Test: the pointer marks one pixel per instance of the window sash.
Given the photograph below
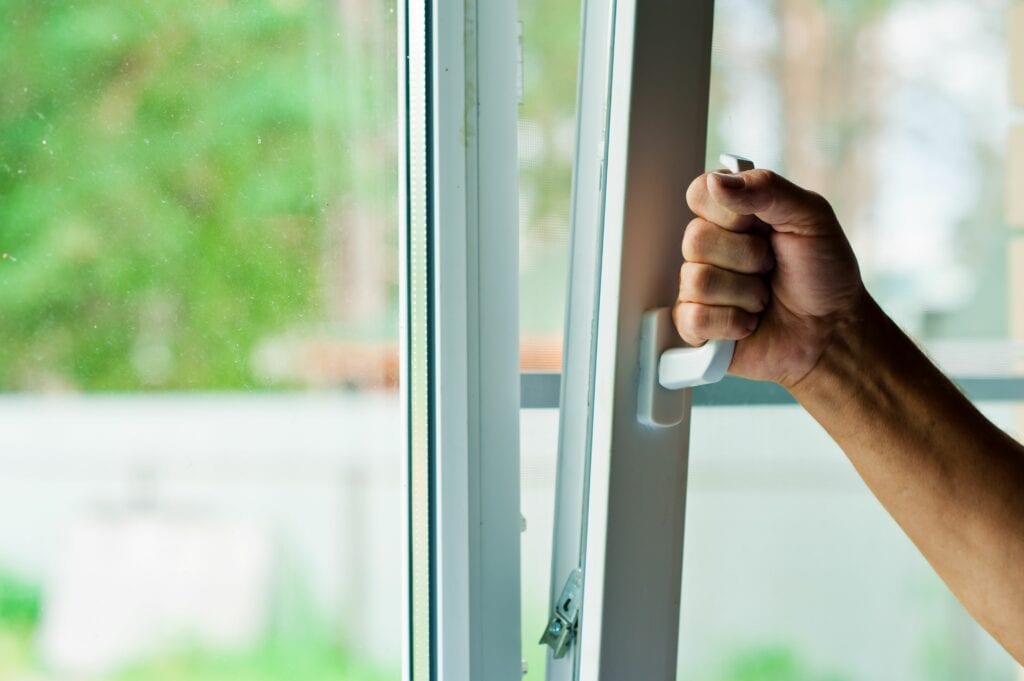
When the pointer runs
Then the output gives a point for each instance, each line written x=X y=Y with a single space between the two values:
x=461 y=347
x=621 y=486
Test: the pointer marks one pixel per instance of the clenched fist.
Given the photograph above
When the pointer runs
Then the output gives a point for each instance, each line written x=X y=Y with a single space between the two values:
x=766 y=264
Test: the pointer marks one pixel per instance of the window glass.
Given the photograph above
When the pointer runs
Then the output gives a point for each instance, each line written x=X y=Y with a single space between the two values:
x=198 y=340
x=538 y=465
x=900 y=113
x=547 y=138
x=793 y=571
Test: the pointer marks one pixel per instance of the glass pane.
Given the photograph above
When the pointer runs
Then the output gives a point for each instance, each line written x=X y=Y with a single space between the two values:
x=898 y=111
x=547 y=138
x=538 y=465
x=198 y=347
x=793 y=571
x=547 y=131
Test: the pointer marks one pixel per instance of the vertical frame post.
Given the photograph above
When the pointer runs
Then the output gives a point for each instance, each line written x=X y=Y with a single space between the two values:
x=477 y=340
x=630 y=480
x=460 y=283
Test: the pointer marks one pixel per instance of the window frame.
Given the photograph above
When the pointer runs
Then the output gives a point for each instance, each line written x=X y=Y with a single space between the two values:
x=629 y=480
x=642 y=65
x=459 y=278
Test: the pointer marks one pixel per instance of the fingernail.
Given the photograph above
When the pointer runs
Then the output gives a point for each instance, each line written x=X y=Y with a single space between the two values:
x=729 y=181
x=752 y=323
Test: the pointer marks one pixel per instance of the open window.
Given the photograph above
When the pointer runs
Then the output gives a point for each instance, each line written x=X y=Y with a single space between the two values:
x=204 y=321
x=776 y=530
x=201 y=341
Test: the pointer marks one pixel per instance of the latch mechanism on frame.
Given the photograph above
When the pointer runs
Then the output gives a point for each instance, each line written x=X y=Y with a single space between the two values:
x=561 y=629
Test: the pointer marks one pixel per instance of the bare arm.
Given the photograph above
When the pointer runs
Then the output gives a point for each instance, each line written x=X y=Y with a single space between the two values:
x=785 y=284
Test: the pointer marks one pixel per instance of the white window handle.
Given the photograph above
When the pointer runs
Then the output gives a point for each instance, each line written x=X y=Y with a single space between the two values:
x=664 y=369
x=689 y=367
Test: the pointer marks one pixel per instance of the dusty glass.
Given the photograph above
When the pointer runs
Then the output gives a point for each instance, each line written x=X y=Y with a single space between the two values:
x=198 y=340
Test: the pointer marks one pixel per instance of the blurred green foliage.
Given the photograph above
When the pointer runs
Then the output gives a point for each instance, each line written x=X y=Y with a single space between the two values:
x=771 y=663
x=160 y=208
x=547 y=127
x=19 y=602
x=313 y=660
x=548 y=112
x=298 y=662
x=19 y=615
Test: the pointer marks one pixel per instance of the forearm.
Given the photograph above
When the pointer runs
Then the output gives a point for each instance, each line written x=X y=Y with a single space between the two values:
x=952 y=480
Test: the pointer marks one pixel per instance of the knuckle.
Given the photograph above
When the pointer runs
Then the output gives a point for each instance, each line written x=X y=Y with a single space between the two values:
x=697 y=239
x=701 y=278
x=685 y=315
x=820 y=204
x=695 y=317
x=695 y=192
x=686 y=278
x=765 y=176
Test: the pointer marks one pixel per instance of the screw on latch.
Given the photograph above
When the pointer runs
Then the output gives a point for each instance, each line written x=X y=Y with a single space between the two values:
x=561 y=628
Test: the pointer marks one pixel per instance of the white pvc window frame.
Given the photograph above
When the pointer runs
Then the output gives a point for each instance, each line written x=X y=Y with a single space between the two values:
x=621 y=487
x=460 y=351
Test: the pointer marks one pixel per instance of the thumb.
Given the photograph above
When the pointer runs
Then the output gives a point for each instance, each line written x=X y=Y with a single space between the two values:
x=774 y=200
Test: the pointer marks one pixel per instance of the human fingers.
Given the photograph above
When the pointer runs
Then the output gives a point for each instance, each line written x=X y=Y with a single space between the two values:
x=697 y=323
x=773 y=199
x=700 y=201
x=707 y=243
x=710 y=285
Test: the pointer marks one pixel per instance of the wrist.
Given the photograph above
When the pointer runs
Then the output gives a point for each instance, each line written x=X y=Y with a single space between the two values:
x=847 y=347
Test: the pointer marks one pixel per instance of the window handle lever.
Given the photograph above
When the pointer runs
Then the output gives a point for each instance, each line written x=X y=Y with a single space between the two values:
x=665 y=370
x=680 y=368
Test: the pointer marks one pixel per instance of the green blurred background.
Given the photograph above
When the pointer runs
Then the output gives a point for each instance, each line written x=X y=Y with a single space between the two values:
x=171 y=177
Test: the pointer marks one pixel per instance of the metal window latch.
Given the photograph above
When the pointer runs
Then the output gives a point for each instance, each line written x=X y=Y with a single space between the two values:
x=561 y=629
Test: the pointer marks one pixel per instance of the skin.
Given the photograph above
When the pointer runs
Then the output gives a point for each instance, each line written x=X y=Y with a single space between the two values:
x=767 y=264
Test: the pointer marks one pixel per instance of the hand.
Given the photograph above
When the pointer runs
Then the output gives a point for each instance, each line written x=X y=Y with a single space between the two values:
x=766 y=264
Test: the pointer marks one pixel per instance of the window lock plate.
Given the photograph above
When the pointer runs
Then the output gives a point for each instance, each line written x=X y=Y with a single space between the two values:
x=561 y=629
